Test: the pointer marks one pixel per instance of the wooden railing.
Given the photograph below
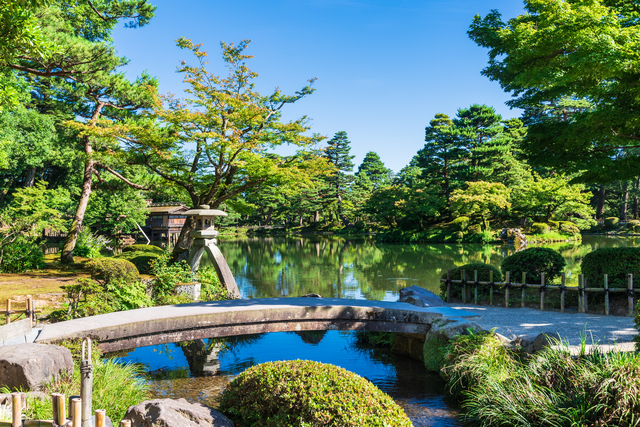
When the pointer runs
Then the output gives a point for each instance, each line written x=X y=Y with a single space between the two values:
x=582 y=290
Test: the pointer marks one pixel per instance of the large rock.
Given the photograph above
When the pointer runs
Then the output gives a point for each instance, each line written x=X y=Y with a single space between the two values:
x=175 y=413
x=420 y=297
x=29 y=366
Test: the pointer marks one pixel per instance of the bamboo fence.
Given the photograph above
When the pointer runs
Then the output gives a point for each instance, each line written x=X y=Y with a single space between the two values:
x=29 y=312
x=507 y=286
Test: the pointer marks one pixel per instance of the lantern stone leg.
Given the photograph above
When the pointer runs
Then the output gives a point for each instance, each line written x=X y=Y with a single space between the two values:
x=204 y=242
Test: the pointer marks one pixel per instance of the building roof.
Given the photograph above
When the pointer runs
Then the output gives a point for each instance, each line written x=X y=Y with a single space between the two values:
x=168 y=209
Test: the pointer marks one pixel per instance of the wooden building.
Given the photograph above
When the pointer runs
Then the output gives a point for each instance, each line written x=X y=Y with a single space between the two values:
x=165 y=221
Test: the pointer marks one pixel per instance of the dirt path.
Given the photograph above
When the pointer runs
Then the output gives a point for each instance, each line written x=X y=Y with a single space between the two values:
x=605 y=331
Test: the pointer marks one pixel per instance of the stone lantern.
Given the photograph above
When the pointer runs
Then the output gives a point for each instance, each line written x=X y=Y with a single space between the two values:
x=205 y=246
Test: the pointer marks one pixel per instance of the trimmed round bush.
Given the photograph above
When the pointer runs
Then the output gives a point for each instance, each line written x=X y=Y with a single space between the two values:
x=539 y=228
x=611 y=223
x=140 y=259
x=534 y=262
x=483 y=276
x=569 y=228
x=106 y=270
x=615 y=262
x=306 y=393
x=142 y=248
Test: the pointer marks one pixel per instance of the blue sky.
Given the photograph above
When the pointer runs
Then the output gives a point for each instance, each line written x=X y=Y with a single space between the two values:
x=384 y=68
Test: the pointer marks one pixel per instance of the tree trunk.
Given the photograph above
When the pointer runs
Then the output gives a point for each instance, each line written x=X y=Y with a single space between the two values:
x=270 y=216
x=66 y=257
x=31 y=177
x=181 y=249
x=600 y=207
x=317 y=217
x=301 y=220
x=625 y=202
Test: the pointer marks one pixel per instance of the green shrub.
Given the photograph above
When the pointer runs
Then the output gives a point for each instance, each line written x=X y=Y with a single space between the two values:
x=460 y=223
x=142 y=248
x=359 y=225
x=539 y=228
x=569 y=229
x=21 y=255
x=611 y=223
x=305 y=393
x=615 y=262
x=105 y=270
x=89 y=244
x=555 y=225
x=141 y=259
x=534 y=262
x=168 y=275
x=636 y=229
x=631 y=225
x=210 y=287
x=483 y=276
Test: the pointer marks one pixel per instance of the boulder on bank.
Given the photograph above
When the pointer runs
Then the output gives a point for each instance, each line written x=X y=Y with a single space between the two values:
x=420 y=297
x=29 y=366
x=175 y=413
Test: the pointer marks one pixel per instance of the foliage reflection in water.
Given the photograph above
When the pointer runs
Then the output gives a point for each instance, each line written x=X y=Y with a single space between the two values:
x=176 y=372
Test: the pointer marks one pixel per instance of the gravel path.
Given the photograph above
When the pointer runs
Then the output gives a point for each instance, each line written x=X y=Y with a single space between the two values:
x=606 y=331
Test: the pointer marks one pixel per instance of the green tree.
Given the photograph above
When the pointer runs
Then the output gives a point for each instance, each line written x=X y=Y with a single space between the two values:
x=554 y=198
x=338 y=156
x=231 y=129
x=578 y=50
x=481 y=199
x=373 y=168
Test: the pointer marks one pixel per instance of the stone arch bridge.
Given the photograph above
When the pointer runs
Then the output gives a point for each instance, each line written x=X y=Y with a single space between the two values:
x=167 y=324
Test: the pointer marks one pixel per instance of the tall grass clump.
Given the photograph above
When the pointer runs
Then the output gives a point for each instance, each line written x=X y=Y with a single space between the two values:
x=116 y=387
x=501 y=387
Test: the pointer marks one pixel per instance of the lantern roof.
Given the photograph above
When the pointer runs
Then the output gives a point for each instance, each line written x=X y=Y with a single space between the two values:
x=203 y=210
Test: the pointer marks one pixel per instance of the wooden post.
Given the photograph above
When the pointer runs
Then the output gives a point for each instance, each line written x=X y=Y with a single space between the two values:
x=562 y=284
x=125 y=423
x=490 y=287
x=16 y=409
x=630 y=294
x=86 y=383
x=62 y=416
x=101 y=418
x=580 y=290
x=463 y=276
x=506 y=290
x=28 y=311
x=606 y=294
x=71 y=407
x=542 y=285
x=448 y=286
x=76 y=413
x=475 y=285
x=54 y=407
x=524 y=284
x=8 y=314
x=585 y=300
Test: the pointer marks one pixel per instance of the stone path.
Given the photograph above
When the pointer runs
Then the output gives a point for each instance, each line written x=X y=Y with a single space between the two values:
x=605 y=331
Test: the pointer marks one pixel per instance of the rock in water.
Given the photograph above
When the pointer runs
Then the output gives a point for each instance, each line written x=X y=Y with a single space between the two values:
x=29 y=366
x=175 y=413
x=420 y=297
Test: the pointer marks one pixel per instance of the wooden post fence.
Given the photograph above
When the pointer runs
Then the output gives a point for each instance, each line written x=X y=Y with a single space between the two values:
x=582 y=290
x=29 y=311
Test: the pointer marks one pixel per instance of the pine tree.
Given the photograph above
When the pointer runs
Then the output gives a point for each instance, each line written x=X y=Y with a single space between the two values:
x=338 y=155
x=374 y=170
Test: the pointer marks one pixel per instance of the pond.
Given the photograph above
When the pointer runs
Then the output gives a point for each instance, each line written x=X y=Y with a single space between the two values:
x=332 y=266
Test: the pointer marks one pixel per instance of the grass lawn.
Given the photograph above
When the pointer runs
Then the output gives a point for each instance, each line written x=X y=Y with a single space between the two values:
x=44 y=285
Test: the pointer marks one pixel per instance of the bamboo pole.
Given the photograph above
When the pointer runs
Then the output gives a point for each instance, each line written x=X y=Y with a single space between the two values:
x=630 y=294
x=76 y=414
x=100 y=418
x=475 y=285
x=541 y=291
x=524 y=286
x=8 y=314
x=16 y=410
x=71 y=407
x=54 y=408
x=448 y=286
x=86 y=384
x=562 y=281
x=29 y=312
x=606 y=294
x=62 y=417
x=506 y=290
x=490 y=287
x=125 y=423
